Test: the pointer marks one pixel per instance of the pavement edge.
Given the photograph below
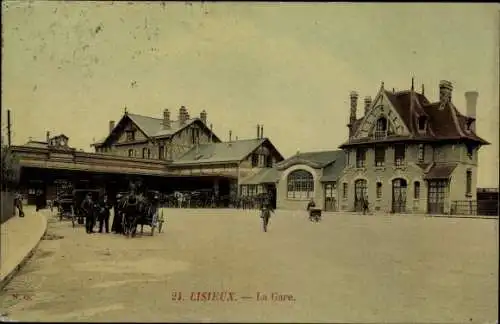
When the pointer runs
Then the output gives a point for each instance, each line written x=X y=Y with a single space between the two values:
x=5 y=281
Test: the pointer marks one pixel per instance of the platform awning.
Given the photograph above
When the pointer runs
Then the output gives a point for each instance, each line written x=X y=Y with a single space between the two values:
x=440 y=171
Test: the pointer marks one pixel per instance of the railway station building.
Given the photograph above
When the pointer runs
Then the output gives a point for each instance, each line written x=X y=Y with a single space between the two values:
x=165 y=154
x=408 y=154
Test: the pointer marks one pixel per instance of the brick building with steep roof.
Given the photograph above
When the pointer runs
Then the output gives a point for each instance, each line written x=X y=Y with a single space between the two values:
x=407 y=154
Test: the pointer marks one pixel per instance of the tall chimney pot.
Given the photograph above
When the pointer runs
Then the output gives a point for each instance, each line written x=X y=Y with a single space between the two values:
x=354 y=104
x=471 y=102
x=166 y=119
x=230 y=135
x=111 y=125
x=183 y=115
x=368 y=103
x=47 y=135
x=258 y=131
x=261 y=131
x=445 y=91
x=203 y=116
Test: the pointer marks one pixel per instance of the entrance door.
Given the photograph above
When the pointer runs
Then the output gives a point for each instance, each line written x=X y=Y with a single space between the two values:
x=330 y=196
x=436 y=196
x=360 y=192
x=399 y=189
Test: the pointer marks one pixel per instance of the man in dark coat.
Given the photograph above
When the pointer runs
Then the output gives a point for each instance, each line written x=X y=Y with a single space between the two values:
x=117 y=226
x=265 y=213
x=104 y=213
x=88 y=208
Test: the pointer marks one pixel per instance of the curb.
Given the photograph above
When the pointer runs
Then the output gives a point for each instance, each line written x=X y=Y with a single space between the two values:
x=6 y=280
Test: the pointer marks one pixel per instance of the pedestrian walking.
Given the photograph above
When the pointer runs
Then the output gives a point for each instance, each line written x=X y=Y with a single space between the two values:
x=366 y=205
x=265 y=214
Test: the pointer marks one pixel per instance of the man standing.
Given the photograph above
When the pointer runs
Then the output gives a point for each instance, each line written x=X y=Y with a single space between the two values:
x=18 y=203
x=104 y=208
x=88 y=209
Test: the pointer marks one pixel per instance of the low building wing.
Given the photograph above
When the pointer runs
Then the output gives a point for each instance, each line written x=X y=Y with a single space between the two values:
x=317 y=160
x=264 y=176
x=333 y=171
x=234 y=151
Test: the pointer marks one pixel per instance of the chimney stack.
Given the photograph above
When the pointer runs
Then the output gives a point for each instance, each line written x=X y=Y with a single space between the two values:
x=230 y=135
x=111 y=125
x=353 y=96
x=203 y=116
x=47 y=137
x=261 y=131
x=183 y=115
x=258 y=131
x=445 y=90
x=471 y=102
x=368 y=103
x=166 y=119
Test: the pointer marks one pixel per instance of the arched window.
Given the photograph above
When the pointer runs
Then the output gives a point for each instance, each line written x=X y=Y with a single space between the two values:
x=381 y=128
x=300 y=185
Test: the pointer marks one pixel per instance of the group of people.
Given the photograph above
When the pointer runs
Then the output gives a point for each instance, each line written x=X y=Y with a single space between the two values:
x=94 y=211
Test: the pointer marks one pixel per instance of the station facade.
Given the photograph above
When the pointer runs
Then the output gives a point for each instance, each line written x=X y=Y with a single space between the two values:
x=405 y=154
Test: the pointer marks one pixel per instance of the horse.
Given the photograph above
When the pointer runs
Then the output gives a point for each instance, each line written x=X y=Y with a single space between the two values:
x=131 y=207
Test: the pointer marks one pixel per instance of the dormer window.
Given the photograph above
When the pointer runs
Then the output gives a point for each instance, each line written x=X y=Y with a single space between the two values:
x=381 y=128
x=130 y=135
x=422 y=121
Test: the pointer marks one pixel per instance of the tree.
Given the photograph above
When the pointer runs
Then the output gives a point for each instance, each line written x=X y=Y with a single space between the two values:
x=11 y=169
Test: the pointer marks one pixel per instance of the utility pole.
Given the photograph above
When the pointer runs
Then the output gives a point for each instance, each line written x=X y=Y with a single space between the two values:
x=8 y=128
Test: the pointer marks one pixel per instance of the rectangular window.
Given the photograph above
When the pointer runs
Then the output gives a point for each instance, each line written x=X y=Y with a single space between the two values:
x=255 y=160
x=379 y=156
x=348 y=157
x=416 y=190
x=421 y=153
x=149 y=153
x=161 y=152
x=399 y=154
x=344 y=190
x=130 y=135
x=468 y=186
x=360 y=158
x=144 y=152
x=379 y=190
x=262 y=160
x=131 y=153
x=269 y=161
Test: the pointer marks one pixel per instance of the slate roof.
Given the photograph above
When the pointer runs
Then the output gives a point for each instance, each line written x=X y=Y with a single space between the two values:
x=267 y=175
x=234 y=151
x=442 y=124
x=333 y=171
x=318 y=160
x=153 y=127
x=441 y=171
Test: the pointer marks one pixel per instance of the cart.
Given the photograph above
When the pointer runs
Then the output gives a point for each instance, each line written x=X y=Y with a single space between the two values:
x=315 y=214
x=65 y=207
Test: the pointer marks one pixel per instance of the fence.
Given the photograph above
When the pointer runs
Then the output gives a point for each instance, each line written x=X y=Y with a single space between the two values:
x=473 y=207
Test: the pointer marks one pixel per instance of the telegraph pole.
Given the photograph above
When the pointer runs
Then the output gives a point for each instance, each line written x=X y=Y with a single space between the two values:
x=9 y=132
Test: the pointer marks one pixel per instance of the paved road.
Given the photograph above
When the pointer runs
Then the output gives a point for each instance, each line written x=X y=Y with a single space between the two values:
x=349 y=268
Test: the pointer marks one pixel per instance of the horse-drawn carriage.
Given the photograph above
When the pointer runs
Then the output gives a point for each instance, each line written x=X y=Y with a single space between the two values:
x=139 y=209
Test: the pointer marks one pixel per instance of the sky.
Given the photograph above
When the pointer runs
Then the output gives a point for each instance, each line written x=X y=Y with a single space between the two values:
x=71 y=67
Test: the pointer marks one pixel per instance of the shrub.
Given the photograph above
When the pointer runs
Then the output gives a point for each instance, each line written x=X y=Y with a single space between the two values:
x=10 y=169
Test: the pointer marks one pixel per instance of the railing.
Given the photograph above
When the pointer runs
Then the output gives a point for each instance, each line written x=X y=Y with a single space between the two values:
x=463 y=207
